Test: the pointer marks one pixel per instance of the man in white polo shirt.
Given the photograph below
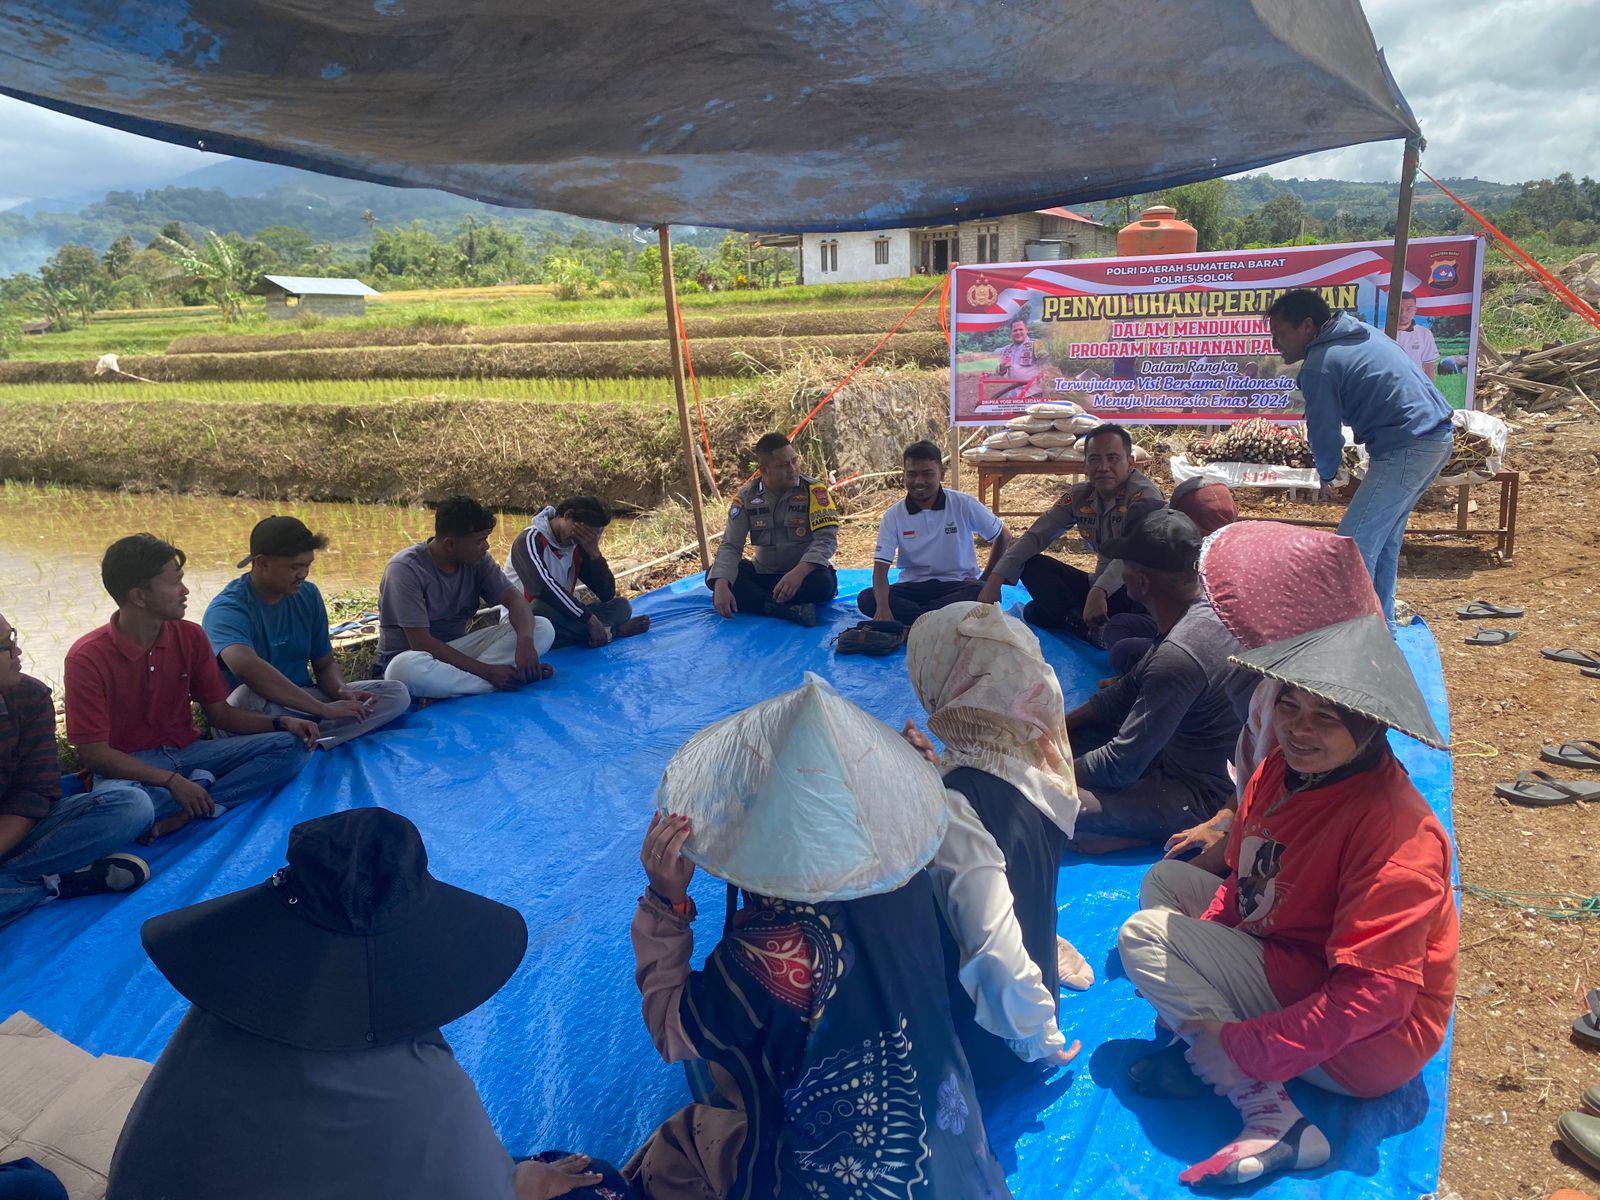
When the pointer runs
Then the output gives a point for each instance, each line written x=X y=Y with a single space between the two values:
x=1416 y=340
x=929 y=535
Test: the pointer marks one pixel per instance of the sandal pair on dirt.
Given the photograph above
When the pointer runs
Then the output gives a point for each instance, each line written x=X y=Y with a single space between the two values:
x=1589 y=660
x=1540 y=789
x=1480 y=610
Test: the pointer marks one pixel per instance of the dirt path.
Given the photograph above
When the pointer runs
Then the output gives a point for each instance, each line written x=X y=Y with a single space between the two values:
x=1523 y=977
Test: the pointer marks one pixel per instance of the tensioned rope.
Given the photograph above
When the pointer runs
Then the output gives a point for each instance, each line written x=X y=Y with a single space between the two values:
x=1526 y=261
x=700 y=412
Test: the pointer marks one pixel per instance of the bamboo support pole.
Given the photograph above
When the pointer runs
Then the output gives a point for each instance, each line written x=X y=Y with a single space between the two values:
x=691 y=466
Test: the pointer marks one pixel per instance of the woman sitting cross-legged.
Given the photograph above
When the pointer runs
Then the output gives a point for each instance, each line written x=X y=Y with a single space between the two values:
x=1328 y=954
x=824 y=1001
x=995 y=704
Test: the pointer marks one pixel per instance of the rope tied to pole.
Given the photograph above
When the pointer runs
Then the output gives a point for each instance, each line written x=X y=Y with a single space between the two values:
x=1525 y=260
x=700 y=412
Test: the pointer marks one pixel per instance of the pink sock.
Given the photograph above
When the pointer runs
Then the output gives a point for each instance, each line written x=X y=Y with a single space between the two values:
x=1276 y=1137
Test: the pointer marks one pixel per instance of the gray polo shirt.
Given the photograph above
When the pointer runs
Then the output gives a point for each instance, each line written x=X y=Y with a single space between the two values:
x=415 y=594
x=1097 y=518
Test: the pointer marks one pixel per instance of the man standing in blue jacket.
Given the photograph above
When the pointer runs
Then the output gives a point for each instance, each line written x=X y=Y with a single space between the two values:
x=1354 y=375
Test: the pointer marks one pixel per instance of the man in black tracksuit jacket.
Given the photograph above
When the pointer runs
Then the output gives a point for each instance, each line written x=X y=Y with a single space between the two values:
x=557 y=551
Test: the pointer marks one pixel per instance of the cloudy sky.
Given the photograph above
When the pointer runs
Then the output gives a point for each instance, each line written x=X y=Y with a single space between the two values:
x=1505 y=90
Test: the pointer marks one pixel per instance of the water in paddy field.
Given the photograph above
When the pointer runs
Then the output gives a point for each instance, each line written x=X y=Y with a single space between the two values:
x=51 y=540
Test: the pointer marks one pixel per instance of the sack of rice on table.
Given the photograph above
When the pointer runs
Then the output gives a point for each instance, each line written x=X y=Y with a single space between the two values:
x=1031 y=424
x=983 y=454
x=1052 y=439
x=1065 y=454
x=1007 y=437
x=1054 y=410
x=1078 y=425
x=1026 y=454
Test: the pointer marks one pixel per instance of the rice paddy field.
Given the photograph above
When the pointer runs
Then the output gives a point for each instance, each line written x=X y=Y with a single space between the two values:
x=367 y=391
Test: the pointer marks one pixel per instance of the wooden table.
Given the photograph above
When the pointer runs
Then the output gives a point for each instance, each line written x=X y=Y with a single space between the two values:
x=992 y=477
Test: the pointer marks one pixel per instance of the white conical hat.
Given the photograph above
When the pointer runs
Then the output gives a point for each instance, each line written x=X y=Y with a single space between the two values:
x=805 y=797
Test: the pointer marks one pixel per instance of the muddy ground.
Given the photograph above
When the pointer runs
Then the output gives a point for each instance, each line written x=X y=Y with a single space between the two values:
x=1516 y=1067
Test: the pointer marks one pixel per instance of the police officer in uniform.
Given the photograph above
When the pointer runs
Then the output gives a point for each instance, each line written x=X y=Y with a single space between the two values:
x=794 y=525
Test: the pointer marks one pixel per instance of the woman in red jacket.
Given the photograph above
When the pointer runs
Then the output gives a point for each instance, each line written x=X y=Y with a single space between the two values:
x=1328 y=954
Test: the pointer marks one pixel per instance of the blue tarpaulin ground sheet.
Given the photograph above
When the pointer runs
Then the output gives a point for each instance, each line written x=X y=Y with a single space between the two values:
x=540 y=799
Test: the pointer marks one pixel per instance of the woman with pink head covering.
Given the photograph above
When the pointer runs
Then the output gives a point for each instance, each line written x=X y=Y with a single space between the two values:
x=1328 y=952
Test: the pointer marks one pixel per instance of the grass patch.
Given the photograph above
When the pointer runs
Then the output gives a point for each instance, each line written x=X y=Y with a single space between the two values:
x=442 y=330
x=366 y=391
x=563 y=360
x=136 y=331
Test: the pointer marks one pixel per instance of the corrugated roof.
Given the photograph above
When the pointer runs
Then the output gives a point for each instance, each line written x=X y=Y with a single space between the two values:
x=1068 y=214
x=307 y=285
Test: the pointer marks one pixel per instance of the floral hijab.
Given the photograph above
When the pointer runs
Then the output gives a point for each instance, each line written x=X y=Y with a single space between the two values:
x=995 y=703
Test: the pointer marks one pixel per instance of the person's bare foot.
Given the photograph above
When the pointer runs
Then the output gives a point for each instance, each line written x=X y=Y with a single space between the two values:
x=633 y=626
x=1072 y=969
x=162 y=828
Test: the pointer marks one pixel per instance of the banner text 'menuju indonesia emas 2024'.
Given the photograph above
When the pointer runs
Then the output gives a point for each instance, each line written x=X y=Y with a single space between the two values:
x=1182 y=338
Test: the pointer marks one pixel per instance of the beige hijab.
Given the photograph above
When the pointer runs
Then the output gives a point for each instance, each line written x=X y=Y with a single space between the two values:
x=995 y=703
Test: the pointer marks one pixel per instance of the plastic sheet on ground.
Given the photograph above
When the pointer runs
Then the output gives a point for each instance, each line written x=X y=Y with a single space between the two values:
x=540 y=799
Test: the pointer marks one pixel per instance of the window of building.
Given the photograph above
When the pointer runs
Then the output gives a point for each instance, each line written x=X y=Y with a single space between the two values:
x=880 y=252
x=828 y=259
x=988 y=243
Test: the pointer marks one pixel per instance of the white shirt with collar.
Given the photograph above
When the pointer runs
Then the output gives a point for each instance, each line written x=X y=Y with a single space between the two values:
x=935 y=543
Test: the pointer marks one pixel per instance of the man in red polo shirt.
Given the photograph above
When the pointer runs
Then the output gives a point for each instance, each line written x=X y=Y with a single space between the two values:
x=129 y=684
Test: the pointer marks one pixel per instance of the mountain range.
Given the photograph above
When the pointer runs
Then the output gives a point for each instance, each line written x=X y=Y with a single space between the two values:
x=246 y=197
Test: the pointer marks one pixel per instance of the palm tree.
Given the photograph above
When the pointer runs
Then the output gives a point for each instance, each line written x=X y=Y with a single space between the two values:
x=215 y=264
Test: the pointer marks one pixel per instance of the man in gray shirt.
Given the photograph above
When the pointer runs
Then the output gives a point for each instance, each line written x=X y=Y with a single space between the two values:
x=430 y=593
x=793 y=523
x=1153 y=748
x=1101 y=506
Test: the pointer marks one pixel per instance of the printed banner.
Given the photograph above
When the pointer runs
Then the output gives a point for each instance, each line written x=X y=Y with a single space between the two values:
x=1182 y=339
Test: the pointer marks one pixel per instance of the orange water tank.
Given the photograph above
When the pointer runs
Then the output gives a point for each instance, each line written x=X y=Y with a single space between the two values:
x=1157 y=231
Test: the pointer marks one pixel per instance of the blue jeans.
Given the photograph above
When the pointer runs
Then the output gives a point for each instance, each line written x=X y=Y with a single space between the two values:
x=76 y=831
x=1377 y=517
x=246 y=768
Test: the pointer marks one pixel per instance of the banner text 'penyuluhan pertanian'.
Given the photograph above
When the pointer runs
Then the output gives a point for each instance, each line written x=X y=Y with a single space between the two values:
x=1182 y=338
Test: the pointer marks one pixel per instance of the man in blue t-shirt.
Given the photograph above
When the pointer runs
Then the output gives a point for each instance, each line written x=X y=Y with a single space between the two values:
x=269 y=628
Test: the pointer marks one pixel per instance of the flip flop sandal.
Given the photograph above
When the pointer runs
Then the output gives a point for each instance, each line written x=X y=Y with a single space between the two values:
x=1582 y=753
x=1591 y=672
x=1587 y=1028
x=1538 y=789
x=1491 y=637
x=1580 y=1133
x=1483 y=608
x=1571 y=656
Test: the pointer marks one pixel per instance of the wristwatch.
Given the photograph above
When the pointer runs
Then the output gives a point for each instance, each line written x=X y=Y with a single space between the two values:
x=277 y=724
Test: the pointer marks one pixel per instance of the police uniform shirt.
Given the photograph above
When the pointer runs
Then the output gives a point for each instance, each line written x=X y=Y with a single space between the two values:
x=935 y=543
x=779 y=528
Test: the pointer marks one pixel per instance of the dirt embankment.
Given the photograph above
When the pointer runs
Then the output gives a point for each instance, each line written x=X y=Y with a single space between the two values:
x=564 y=360
x=827 y=322
x=510 y=454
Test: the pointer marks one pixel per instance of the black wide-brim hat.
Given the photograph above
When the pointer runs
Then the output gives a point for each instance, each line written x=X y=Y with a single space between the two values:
x=353 y=945
x=1356 y=665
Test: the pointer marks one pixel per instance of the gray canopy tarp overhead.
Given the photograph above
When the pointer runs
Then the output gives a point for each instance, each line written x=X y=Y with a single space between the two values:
x=753 y=114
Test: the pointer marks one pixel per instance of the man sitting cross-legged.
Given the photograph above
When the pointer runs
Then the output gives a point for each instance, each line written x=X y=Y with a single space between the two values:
x=129 y=687
x=1153 y=748
x=558 y=550
x=270 y=626
x=53 y=848
x=428 y=596
x=929 y=534
x=1102 y=506
x=793 y=523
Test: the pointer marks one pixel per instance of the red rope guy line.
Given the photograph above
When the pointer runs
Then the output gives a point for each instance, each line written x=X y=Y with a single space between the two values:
x=1573 y=301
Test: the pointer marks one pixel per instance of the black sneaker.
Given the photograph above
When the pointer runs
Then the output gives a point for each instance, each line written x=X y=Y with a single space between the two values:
x=800 y=614
x=114 y=873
